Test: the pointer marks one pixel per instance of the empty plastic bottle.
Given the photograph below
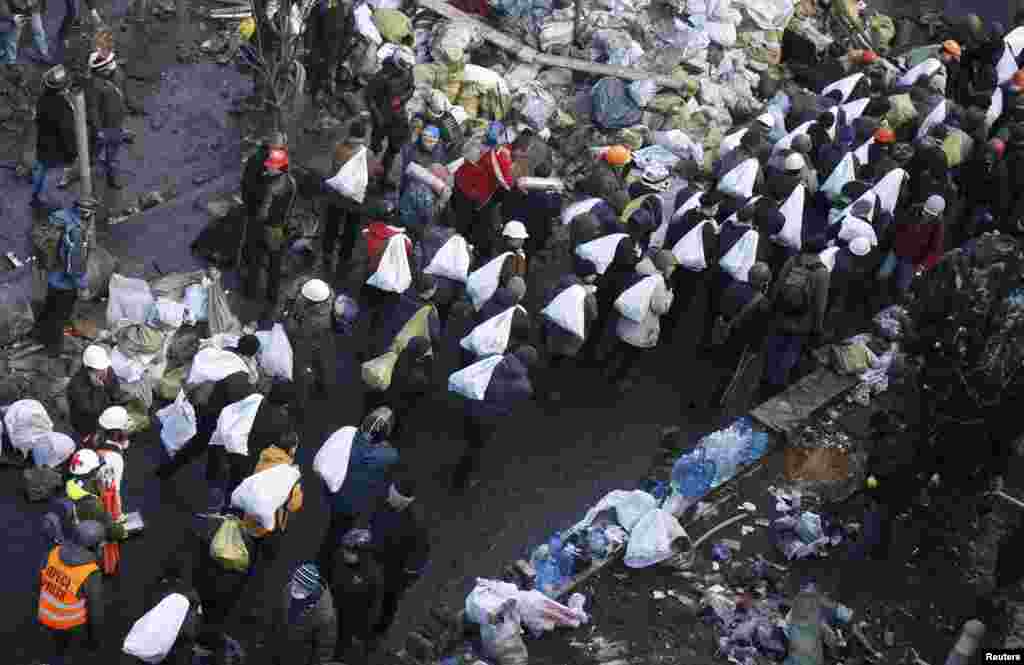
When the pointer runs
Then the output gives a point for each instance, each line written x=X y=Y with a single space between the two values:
x=548 y=574
x=597 y=541
x=693 y=474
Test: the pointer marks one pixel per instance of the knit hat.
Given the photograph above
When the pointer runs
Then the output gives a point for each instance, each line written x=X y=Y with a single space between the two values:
x=249 y=345
x=935 y=205
x=997 y=146
x=884 y=135
x=306 y=581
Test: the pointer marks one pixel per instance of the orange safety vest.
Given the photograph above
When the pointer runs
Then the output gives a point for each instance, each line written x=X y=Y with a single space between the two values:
x=60 y=607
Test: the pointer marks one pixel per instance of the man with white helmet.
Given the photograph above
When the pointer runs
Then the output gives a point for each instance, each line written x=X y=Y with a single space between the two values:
x=92 y=390
x=84 y=489
x=781 y=185
x=311 y=332
x=111 y=442
x=386 y=95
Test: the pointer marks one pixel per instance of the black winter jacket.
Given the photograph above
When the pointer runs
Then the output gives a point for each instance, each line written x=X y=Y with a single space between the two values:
x=86 y=402
x=105 y=101
x=55 y=128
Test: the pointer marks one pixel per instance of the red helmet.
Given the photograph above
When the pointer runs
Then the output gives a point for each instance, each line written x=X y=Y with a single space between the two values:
x=278 y=159
x=998 y=146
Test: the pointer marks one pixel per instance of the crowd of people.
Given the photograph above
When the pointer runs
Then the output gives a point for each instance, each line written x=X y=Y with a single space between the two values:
x=826 y=204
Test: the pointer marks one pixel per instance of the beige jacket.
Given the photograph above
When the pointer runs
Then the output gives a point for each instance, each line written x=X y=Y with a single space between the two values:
x=645 y=335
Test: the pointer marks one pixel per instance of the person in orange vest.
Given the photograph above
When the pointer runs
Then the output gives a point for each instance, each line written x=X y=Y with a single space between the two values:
x=71 y=593
x=267 y=543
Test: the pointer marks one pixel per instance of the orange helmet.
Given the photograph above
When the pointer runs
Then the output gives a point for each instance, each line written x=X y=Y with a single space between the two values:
x=951 y=47
x=618 y=155
x=869 y=57
x=884 y=135
x=1018 y=78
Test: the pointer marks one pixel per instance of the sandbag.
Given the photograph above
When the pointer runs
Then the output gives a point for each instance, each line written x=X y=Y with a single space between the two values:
x=689 y=250
x=635 y=302
x=843 y=173
x=901 y=111
x=791 y=235
x=263 y=494
x=483 y=282
x=129 y=301
x=178 y=424
x=579 y=208
x=276 y=356
x=24 y=421
x=222 y=319
x=153 y=636
x=352 y=178
x=393 y=272
x=16 y=317
x=731 y=142
x=611 y=105
x=197 y=302
x=567 y=310
x=650 y=541
x=601 y=251
x=331 y=461
x=51 y=449
x=786 y=142
x=935 y=117
x=171 y=382
x=234 y=425
x=739 y=182
x=213 y=364
x=378 y=371
x=844 y=85
x=741 y=257
x=393 y=25
x=828 y=257
x=888 y=189
x=862 y=153
x=926 y=69
x=471 y=382
x=451 y=261
x=491 y=336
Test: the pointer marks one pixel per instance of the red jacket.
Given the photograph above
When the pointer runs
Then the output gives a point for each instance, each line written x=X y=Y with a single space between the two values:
x=479 y=181
x=377 y=236
x=920 y=242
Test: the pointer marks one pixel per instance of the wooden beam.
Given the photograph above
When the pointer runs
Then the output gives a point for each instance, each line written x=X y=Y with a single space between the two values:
x=530 y=55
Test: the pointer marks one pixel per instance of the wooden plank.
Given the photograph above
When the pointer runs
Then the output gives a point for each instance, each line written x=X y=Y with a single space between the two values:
x=530 y=55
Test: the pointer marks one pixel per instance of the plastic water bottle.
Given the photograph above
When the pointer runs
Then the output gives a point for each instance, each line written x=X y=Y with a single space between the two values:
x=567 y=561
x=548 y=574
x=693 y=474
x=756 y=447
x=597 y=541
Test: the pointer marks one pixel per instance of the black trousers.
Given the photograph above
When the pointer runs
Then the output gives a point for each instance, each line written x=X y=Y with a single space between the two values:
x=477 y=433
x=689 y=289
x=397 y=131
x=337 y=527
x=339 y=220
x=57 y=310
x=622 y=360
x=396 y=583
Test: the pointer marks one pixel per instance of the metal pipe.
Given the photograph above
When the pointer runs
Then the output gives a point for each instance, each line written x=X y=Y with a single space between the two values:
x=82 y=136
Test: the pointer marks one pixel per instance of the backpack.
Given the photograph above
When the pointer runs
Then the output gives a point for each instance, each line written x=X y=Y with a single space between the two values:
x=46 y=237
x=795 y=292
x=41 y=483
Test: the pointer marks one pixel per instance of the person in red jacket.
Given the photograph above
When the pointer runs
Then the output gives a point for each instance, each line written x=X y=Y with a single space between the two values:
x=917 y=245
x=375 y=301
x=479 y=189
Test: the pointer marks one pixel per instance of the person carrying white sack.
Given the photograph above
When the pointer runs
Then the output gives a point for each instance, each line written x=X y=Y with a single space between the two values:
x=568 y=316
x=653 y=296
x=267 y=541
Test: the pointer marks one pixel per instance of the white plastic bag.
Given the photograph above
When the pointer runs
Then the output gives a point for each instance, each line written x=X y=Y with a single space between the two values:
x=393 y=273
x=451 y=261
x=276 y=356
x=689 y=250
x=787 y=141
x=843 y=85
x=926 y=69
x=1014 y=39
x=421 y=174
x=365 y=25
x=471 y=382
x=855 y=109
x=491 y=336
x=1007 y=66
x=490 y=601
x=153 y=635
x=25 y=420
x=567 y=310
x=263 y=493
x=888 y=189
x=177 y=424
x=935 y=117
x=741 y=257
x=680 y=144
x=50 y=449
x=842 y=174
x=235 y=424
x=130 y=300
x=483 y=282
x=651 y=540
x=740 y=181
x=541 y=614
x=791 y=234
x=629 y=507
x=213 y=364
x=635 y=302
x=642 y=92
x=352 y=178
x=854 y=227
x=331 y=461
x=504 y=642
x=166 y=314
x=732 y=141
x=601 y=251
x=863 y=152
x=579 y=208
x=995 y=108
x=828 y=257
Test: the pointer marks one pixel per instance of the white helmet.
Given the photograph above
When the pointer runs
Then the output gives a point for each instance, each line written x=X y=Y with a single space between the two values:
x=766 y=120
x=96 y=357
x=114 y=417
x=84 y=462
x=404 y=57
x=860 y=246
x=316 y=290
x=515 y=230
x=794 y=162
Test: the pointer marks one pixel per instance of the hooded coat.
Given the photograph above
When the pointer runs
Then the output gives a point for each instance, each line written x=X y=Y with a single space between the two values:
x=55 y=128
x=311 y=638
x=367 y=479
x=509 y=387
x=86 y=402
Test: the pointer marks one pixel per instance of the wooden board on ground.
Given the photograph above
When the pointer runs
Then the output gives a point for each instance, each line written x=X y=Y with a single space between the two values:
x=803 y=398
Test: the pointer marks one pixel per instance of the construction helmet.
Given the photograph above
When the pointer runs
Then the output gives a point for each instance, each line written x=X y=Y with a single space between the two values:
x=96 y=357
x=618 y=155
